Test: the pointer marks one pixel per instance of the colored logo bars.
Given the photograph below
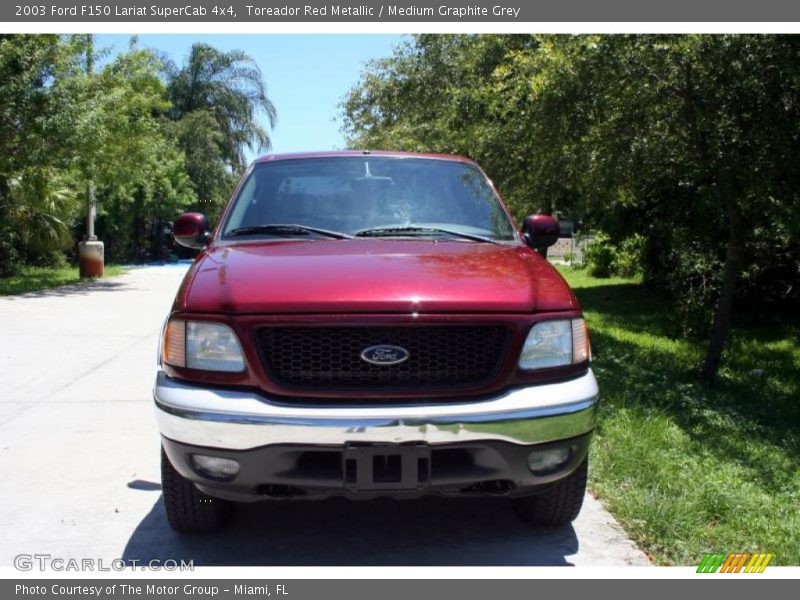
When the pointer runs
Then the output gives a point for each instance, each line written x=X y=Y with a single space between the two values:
x=734 y=562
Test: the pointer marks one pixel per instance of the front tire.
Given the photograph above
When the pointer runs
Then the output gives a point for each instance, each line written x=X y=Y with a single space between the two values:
x=188 y=509
x=559 y=504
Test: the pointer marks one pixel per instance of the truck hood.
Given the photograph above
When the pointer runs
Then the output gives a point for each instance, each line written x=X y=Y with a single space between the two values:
x=372 y=276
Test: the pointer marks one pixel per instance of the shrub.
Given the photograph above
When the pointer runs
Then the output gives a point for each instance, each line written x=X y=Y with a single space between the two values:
x=599 y=256
x=53 y=258
x=629 y=259
x=694 y=284
x=10 y=261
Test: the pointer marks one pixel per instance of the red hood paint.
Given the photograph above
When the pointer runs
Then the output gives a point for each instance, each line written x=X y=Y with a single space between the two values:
x=372 y=276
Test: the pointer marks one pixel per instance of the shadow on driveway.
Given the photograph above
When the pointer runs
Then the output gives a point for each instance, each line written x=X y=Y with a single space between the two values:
x=82 y=288
x=430 y=531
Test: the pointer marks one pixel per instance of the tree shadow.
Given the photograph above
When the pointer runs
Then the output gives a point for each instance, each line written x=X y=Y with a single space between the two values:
x=714 y=418
x=337 y=532
x=144 y=486
x=756 y=394
x=82 y=288
x=632 y=305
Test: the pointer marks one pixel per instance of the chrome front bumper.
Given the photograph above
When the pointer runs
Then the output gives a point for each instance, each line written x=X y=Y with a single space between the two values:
x=234 y=420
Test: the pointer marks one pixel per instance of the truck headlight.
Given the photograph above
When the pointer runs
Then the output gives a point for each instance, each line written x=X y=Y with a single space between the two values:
x=202 y=345
x=555 y=343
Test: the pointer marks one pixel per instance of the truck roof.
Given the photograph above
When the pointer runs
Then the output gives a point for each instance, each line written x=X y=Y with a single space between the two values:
x=379 y=153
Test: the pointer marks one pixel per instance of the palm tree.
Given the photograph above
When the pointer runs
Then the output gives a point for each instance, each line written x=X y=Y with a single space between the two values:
x=229 y=86
x=40 y=205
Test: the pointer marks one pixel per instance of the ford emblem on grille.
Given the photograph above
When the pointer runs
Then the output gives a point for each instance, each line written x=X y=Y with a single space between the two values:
x=384 y=355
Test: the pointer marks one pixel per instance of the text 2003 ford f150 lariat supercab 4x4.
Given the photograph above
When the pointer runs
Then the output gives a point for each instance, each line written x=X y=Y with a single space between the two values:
x=368 y=324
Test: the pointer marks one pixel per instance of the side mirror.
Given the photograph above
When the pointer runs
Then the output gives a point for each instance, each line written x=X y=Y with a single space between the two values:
x=191 y=230
x=540 y=231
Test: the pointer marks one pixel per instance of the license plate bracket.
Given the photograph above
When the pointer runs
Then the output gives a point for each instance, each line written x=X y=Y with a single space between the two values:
x=386 y=467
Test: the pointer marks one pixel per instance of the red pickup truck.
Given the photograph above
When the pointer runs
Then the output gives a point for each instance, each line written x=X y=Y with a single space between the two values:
x=367 y=324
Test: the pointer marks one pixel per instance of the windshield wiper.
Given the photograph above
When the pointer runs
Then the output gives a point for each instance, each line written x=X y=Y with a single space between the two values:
x=287 y=229
x=379 y=231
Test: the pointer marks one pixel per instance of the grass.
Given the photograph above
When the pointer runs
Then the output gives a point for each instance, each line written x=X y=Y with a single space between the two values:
x=689 y=469
x=32 y=279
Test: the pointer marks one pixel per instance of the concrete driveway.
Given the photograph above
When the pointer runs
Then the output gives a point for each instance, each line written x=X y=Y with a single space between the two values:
x=79 y=461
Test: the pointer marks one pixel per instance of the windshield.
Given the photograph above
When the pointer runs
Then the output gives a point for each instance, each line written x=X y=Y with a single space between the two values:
x=354 y=195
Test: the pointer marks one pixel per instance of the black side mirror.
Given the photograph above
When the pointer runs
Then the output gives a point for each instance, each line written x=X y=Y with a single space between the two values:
x=540 y=232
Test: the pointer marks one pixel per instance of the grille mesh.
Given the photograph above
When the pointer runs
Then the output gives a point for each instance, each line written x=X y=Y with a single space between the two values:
x=330 y=357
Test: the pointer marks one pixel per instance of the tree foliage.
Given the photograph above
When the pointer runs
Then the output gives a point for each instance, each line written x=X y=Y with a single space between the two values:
x=216 y=100
x=151 y=139
x=35 y=203
x=690 y=141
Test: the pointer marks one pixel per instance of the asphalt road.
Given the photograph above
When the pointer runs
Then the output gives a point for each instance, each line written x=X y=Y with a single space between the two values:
x=79 y=461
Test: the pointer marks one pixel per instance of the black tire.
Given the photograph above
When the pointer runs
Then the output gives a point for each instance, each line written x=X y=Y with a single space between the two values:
x=559 y=504
x=188 y=509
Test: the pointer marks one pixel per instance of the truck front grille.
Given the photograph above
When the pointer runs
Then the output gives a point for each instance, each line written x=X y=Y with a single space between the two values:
x=330 y=357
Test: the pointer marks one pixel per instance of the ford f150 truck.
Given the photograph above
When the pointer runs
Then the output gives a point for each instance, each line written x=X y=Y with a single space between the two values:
x=367 y=324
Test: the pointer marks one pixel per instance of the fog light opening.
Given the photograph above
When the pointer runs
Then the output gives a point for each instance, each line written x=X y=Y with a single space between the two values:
x=495 y=487
x=215 y=467
x=543 y=461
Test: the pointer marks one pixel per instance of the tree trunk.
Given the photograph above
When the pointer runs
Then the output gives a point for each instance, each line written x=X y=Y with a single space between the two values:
x=91 y=201
x=139 y=242
x=722 y=310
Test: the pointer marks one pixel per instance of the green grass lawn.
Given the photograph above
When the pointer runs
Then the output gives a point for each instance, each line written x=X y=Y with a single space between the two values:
x=31 y=279
x=685 y=468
